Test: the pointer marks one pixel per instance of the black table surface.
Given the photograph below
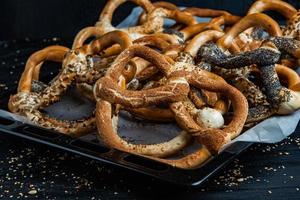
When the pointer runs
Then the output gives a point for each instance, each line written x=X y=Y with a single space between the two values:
x=264 y=171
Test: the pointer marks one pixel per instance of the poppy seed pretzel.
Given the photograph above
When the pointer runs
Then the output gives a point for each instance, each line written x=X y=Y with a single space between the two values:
x=28 y=103
x=107 y=92
x=282 y=100
x=236 y=68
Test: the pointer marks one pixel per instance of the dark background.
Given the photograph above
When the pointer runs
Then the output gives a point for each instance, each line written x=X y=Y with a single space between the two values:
x=64 y=18
x=30 y=171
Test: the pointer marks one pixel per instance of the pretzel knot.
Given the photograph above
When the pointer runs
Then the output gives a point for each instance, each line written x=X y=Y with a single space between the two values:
x=174 y=91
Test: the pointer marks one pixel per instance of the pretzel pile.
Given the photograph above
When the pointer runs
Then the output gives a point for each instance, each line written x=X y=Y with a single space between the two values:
x=213 y=79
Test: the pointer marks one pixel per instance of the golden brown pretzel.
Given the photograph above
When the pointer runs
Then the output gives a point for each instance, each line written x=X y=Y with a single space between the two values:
x=211 y=138
x=249 y=21
x=282 y=7
x=28 y=103
x=34 y=62
x=107 y=92
x=117 y=96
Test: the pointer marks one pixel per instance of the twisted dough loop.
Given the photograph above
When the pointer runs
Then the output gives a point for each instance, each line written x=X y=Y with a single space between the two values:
x=249 y=21
x=34 y=62
x=284 y=8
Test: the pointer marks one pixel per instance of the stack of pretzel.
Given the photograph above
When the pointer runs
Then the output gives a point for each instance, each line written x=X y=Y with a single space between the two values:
x=213 y=79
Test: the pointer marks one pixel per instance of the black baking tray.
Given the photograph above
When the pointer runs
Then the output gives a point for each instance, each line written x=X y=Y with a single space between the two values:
x=13 y=56
x=93 y=149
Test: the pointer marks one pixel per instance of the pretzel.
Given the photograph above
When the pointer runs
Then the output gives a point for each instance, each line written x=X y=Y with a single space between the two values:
x=284 y=8
x=106 y=92
x=212 y=139
x=28 y=103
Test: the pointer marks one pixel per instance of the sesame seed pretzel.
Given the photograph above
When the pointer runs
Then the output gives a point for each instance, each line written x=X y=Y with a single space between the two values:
x=28 y=103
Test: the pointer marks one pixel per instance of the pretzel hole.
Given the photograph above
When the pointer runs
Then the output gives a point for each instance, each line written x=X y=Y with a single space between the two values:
x=138 y=131
x=122 y=12
x=48 y=71
x=72 y=106
x=144 y=162
x=256 y=78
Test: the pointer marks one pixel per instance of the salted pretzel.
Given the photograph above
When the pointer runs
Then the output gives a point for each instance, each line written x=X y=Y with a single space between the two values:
x=107 y=92
x=28 y=103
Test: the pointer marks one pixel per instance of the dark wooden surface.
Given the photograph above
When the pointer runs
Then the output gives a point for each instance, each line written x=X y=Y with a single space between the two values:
x=31 y=171
x=64 y=18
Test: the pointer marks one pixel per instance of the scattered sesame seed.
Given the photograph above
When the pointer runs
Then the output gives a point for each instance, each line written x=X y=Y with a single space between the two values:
x=32 y=192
